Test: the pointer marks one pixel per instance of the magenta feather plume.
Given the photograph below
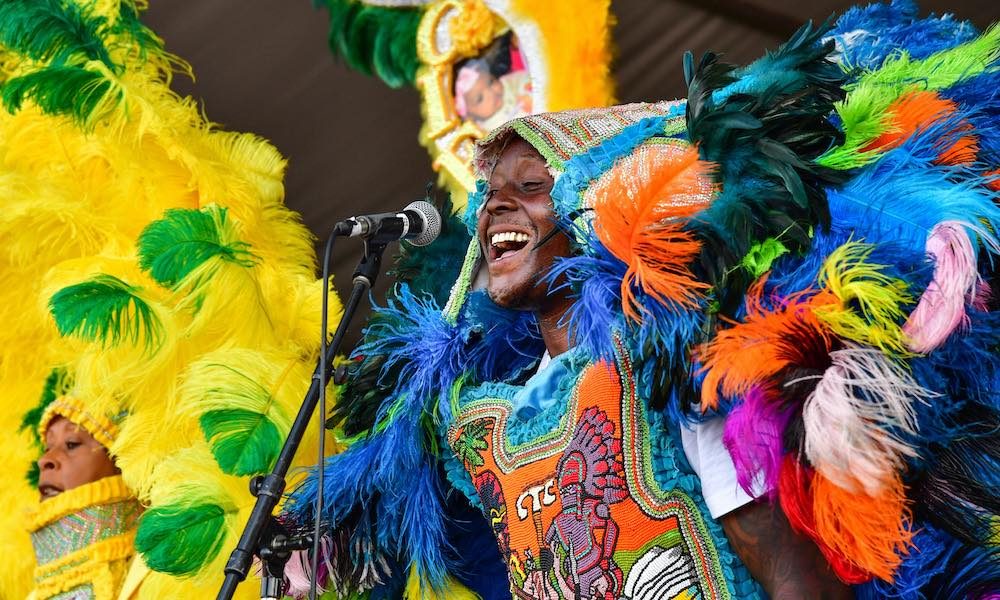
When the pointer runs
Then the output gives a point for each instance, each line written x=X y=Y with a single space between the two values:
x=753 y=436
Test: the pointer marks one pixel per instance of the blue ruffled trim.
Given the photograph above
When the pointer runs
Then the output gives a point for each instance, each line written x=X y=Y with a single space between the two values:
x=459 y=478
x=527 y=421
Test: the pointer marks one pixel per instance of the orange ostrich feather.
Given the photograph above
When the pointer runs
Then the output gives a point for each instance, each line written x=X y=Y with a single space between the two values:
x=918 y=110
x=749 y=353
x=640 y=208
x=873 y=531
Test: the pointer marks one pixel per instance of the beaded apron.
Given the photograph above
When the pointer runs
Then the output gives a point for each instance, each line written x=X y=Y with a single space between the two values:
x=576 y=512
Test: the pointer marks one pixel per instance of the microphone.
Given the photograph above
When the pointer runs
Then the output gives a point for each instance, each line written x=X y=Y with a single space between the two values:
x=419 y=223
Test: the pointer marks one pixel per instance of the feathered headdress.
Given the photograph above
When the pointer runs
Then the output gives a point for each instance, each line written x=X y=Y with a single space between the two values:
x=803 y=246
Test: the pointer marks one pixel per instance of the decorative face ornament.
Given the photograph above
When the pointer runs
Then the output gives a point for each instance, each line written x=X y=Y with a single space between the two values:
x=478 y=64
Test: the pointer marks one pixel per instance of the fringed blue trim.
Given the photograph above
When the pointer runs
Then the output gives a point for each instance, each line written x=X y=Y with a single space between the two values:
x=866 y=36
x=474 y=203
x=582 y=169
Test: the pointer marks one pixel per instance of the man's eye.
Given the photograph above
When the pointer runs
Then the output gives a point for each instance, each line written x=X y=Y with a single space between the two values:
x=71 y=444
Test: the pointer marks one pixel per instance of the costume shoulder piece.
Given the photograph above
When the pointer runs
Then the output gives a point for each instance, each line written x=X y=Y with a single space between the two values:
x=149 y=255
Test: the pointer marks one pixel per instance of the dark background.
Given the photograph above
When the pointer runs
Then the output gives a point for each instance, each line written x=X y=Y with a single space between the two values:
x=263 y=66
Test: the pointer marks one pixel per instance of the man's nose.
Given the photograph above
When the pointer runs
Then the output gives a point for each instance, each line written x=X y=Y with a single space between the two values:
x=500 y=201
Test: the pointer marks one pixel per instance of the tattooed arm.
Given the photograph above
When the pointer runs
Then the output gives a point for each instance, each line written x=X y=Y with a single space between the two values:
x=787 y=565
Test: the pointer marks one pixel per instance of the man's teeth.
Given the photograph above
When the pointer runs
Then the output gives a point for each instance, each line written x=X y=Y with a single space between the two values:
x=508 y=236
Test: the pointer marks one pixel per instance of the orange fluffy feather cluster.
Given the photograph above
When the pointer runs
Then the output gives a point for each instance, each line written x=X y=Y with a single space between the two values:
x=640 y=210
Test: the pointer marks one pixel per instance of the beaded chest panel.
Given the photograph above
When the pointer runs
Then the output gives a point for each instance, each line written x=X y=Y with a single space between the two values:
x=576 y=511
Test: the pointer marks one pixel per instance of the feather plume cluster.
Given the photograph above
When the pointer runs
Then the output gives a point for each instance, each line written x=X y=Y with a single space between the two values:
x=640 y=209
x=150 y=256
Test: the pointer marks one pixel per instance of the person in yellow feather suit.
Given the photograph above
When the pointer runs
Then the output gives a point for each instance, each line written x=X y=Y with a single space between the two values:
x=150 y=254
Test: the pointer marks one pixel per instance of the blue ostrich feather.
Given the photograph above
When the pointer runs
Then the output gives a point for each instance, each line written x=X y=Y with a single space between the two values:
x=904 y=195
x=979 y=100
x=505 y=343
x=595 y=317
x=867 y=35
x=939 y=567
x=791 y=273
x=928 y=559
x=413 y=334
x=596 y=314
x=966 y=368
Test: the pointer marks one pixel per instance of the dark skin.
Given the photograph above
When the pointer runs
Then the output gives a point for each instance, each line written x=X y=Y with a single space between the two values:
x=517 y=213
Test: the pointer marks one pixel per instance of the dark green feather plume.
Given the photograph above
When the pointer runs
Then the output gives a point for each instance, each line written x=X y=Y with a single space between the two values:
x=376 y=40
x=174 y=246
x=243 y=442
x=107 y=310
x=763 y=126
x=58 y=383
x=178 y=540
x=52 y=31
x=66 y=90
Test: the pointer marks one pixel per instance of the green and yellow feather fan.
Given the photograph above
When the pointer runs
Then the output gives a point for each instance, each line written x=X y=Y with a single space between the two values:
x=142 y=249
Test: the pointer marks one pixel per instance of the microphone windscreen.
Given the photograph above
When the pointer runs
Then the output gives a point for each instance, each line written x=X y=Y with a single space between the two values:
x=432 y=222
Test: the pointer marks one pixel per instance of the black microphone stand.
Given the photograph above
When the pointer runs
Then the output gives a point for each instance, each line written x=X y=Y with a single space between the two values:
x=263 y=534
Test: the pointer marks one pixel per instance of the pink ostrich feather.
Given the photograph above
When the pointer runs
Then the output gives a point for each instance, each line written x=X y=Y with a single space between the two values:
x=941 y=308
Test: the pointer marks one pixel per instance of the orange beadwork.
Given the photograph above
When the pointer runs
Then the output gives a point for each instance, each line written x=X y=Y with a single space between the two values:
x=574 y=509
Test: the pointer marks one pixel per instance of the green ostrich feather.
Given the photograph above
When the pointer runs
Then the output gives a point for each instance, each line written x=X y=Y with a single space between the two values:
x=67 y=90
x=864 y=112
x=52 y=31
x=243 y=442
x=240 y=419
x=105 y=309
x=174 y=246
x=179 y=539
x=375 y=39
x=75 y=72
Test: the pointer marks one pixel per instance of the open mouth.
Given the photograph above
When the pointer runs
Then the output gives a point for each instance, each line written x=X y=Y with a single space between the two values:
x=48 y=491
x=505 y=244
